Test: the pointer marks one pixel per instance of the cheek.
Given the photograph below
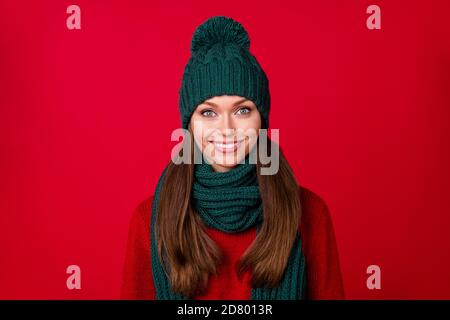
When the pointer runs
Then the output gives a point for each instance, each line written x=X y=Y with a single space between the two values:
x=198 y=139
x=201 y=131
x=196 y=132
x=197 y=125
x=252 y=122
x=250 y=125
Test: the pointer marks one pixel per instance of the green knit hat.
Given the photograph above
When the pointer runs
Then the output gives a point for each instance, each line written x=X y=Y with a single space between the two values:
x=221 y=64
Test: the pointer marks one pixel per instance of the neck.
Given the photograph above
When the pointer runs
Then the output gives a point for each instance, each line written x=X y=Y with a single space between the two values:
x=218 y=168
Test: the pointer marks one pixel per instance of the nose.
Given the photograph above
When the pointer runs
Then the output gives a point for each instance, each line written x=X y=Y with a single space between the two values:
x=227 y=125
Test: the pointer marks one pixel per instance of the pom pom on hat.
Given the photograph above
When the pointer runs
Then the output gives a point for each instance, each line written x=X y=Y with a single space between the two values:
x=219 y=29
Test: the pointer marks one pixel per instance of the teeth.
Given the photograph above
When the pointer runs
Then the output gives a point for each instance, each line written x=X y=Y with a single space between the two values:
x=225 y=146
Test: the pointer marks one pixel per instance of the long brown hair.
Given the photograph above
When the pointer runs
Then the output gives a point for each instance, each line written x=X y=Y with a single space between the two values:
x=193 y=256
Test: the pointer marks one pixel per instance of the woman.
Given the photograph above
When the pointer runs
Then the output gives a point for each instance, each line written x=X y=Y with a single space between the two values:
x=220 y=228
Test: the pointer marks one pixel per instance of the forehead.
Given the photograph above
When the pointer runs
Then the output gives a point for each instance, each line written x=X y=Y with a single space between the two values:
x=226 y=100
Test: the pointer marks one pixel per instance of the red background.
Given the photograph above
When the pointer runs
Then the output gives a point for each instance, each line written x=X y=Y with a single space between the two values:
x=86 y=117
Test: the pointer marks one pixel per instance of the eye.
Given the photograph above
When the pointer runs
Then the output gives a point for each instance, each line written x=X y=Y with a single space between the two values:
x=208 y=113
x=243 y=110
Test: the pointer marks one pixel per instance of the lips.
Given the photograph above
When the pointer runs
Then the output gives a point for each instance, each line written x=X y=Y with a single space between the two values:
x=226 y=147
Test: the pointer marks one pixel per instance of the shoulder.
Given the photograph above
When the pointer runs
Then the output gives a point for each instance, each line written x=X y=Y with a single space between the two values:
x=313 y=205
x=142 y=214
x=320 y=248
x=137 y=280
x=315 y=219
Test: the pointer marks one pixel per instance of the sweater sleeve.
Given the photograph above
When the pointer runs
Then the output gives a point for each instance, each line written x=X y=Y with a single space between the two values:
x=324 y=278
x=137 y=280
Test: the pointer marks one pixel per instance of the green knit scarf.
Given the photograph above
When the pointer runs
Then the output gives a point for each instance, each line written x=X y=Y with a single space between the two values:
x=230 y=202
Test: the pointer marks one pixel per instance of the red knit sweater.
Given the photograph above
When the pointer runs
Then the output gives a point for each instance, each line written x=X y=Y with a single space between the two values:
x=324 y=280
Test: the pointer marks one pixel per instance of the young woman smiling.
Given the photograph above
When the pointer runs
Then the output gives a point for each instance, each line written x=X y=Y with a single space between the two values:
x=220 y=228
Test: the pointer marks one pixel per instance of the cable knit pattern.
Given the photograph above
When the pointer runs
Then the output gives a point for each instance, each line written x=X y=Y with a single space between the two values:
x=230 y=202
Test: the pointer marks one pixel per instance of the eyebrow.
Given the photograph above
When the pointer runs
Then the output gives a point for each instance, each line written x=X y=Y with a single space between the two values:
x=234 y=104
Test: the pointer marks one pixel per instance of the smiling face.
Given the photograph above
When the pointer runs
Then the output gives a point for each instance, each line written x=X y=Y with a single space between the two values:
x=225 y=128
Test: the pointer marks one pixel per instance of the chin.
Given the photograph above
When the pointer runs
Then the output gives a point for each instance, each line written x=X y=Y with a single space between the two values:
x=227 y=164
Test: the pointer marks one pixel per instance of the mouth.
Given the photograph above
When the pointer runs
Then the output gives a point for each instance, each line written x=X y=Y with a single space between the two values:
x=228 y=146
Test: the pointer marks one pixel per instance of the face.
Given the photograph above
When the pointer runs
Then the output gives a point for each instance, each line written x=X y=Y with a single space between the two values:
x=225 y=128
